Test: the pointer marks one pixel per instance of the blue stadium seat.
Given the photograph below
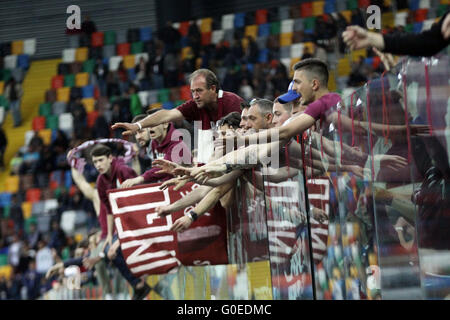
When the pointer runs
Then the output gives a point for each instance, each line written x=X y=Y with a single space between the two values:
x=146 y=34
x=168 y=105
x=5 y=199
x=239 y=20
x=184 y=42
x=414 y=4
x=263 y=56
x=417 y=28
x=368 y=61
x=330 y=6
x=23 y=61
x=87 y=91
x=131 y=74
x=67 y=179
x=264 y=30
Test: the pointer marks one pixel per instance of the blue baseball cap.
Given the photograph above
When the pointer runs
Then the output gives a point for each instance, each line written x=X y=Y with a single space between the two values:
x=289 y=96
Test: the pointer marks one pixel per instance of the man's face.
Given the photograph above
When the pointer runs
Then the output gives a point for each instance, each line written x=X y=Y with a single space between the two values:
x=244 y=120
x=102 y=163
x=201 y=94
x=280 y=115
x=143 y=137
x=303 y=86
x=256 y=120
x=158 y=133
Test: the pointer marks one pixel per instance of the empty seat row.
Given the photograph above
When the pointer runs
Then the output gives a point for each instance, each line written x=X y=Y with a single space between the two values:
x=19 y=47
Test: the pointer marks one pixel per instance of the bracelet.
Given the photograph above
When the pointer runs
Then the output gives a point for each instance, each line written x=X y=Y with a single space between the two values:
x=139 y=125
x=193 y=215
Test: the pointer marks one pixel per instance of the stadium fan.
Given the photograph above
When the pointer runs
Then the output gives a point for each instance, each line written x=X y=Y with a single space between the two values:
x=208 y=105
x=112 y=173
x=426 y=43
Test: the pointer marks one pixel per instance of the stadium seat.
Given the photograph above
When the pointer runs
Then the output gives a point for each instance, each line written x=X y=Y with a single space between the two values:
x=69 y=81
x=135 y=105
x=23 y=61
x=5 y=48
x=206 y=25
x=38 y=123
x=286 y=39
x=206 y=38
x=296 y=50
x=51 y=122
x=356 y=54
x=174 y=94
x=284 y=13
x=73 y=41
x=45 y=109
x=82 y=79
x=114 y=63
x=347 y=14
x=168 y=105
x=133 y=35
x=186 y=52
x=401 y=18
x=38 y=208
x=5 y=199
x=185 y=93
x=252 y=31
x=57 y=81
x=91 y=117
x=12 y=184
x=81 y=54
x=145 y=34
x=163 y=95
x=414 y=5
x=33 y=195
x=275 y=28
x=109 y=38
x=318 y=8
x=75 y=93
x=261 y=16
x=352 y=5
x=217 y=36
x=309 y=24
x=420 y=15
x=264 y=30
x=87 y=91
x=123 y=49
x=2 y=87
x=143 y=97
x=263 y=56
x=97 y=39
x=239 y=20
x=343 y=67
x=68 y=55
x=6 y=271
x=363 y=4
x=29 y=46
x=46 y=135
x=330 y=6
x=59 y=107
x=89 y=104
x=17 y=47
x=228 y=21
x=285 y=52
x=27 y=209
x=5 y=75
x=184 y=28
x=287 y=26
x=109 y=51
x=63 y=94
x=137 y=47
x=129 y=61
x=10 y=62
x=63 y=68
x=417 y=27
x=89 y=66
x=152 y=96
x=121 y=36
x=18 y=74
x=306 y=9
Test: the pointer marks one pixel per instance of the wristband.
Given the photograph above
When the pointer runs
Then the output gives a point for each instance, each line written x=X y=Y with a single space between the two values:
x=139 y=125
x=193 y=215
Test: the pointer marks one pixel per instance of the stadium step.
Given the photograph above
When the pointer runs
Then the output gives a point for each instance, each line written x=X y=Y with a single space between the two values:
x=37 y=81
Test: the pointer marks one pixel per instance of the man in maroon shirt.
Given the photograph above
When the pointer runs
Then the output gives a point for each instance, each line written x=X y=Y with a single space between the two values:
x=112 y=174
x=209 y=104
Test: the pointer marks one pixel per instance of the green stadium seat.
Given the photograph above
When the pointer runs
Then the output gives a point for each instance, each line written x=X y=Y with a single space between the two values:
x=352 y=4
x=109 y=38
x=163 y=95
x=69 y=80
x=52 y=122
x=137 y=47
x=135 y=105
x=275 y=27
x=89 y=65
x=45 y=109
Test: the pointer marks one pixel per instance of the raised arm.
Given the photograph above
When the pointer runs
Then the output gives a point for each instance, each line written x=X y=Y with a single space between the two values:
x=157 y=118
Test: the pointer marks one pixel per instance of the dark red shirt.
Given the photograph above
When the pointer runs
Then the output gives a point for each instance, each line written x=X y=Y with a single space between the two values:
x=227 y=102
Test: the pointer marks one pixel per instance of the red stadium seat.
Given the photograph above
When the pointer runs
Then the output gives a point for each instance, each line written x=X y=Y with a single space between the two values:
x=57 y=81
x=185 y=93
x=261 y=16
x=306 y=9
x=38 y=123
x=91 y=117
x=184 y=28
x=420 y=15
x=363 y=3
x=97 y=39
x=206 y=38
x=33 y=195
x=123 y=49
